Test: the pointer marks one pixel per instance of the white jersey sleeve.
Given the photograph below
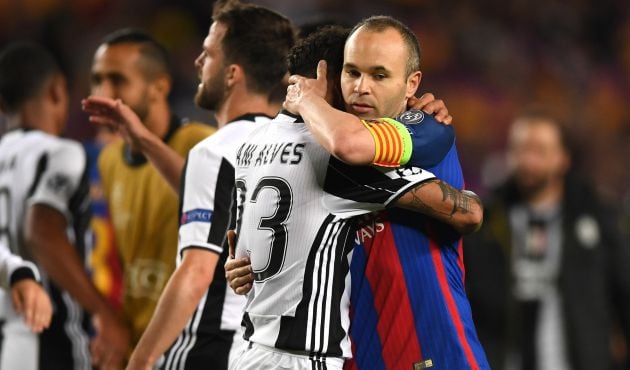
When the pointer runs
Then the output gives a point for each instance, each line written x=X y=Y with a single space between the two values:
x=10 y=263
x=206 y=198
x=355 y=190
x=63 y=170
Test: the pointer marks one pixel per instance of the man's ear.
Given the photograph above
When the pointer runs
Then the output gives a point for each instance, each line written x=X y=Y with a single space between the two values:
x=413 y=83
x=233 y=75
x=160 y=87
x=56 y=88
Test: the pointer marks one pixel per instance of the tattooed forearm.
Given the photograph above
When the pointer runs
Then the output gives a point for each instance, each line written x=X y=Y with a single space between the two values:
x=462 y=200
x=461 y=209
x=416 y=201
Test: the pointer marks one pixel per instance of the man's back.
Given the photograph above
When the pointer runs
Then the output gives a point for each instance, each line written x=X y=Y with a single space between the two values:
x=37 y=168
x=292 y=241
x=292 y=191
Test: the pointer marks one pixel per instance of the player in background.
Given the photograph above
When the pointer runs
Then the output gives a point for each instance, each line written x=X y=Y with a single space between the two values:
x=239 y=85
x=131 y=66
x=297 y=219
x=43 y=183
x=399 y=254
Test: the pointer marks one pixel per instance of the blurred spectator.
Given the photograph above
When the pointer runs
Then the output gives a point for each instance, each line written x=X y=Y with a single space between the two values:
x=131 y=66
x=547 y=275
x=486 y=58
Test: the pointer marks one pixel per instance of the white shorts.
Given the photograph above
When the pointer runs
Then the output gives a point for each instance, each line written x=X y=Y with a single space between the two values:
x=258 y=357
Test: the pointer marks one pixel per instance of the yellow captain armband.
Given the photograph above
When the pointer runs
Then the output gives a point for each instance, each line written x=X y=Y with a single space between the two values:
x=392 y=141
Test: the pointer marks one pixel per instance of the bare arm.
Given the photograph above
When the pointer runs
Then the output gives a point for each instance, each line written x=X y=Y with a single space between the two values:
x=177 y=303
x=343 y=134
x=45 y=233
x=437 y=199
x=115 y=113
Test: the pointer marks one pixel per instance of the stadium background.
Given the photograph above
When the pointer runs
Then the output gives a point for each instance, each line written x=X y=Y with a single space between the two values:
x=487 y=59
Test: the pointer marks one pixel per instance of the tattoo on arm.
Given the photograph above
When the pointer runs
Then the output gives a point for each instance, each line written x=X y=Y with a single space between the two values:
x=463 y=201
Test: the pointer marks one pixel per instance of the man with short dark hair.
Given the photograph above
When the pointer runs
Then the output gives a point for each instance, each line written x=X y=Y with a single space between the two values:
x=44 y=184
x=132 y=67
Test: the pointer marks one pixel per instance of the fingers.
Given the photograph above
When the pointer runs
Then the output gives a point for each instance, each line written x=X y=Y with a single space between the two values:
x=238 y=273
x=242 y=290
x=231 y=237
x=422 y=101
x=321 y=71
x=103 y=121
x=32 y=301
x=430 y=105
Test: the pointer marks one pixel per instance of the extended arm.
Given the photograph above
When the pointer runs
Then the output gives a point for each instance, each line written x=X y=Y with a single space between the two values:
x=181 y=296
x=115 y=113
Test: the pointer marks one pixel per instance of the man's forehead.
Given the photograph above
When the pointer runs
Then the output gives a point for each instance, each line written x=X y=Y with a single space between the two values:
x=120 y=57
x=216 y=33
x=385 y=44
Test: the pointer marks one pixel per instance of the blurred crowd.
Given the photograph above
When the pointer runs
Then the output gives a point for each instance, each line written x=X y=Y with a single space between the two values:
x=486 y=59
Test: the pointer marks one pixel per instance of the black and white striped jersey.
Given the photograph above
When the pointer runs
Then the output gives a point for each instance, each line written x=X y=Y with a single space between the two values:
x=38 y=168
x=296 y=208
x=205 y=214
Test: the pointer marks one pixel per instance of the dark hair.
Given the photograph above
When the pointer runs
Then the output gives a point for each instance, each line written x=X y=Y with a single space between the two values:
x=326 y=43
x=24 y=70
x=379 y=23
x=258 y=40
x=151 y=50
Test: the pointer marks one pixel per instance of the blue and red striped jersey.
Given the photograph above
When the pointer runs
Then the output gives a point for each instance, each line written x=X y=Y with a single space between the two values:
x=409 y=308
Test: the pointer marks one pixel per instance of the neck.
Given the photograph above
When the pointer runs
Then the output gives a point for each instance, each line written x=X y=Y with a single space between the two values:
x=34 y=115
x=547 y=197
x=158 y=120
x=238 y=104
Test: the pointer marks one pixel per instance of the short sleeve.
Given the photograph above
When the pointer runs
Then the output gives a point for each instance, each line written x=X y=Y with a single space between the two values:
x=206 y=200
x=355 y=190
x=62 y=171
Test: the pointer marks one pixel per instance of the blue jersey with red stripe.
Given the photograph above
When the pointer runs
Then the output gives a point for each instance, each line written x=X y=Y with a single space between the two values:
x=408 y=302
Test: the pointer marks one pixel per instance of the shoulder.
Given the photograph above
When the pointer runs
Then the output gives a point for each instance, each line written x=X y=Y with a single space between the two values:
x=68 y=156
x=188 y=135
x=195 y=130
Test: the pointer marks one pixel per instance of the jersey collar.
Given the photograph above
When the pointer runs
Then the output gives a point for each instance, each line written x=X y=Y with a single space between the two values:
x=250 y=117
